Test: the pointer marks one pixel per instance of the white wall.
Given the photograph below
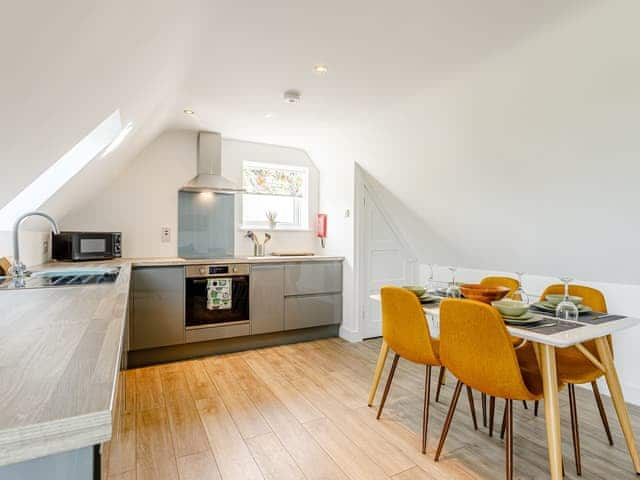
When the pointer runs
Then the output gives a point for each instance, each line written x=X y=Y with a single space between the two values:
x=144 y=198
x=527 y=161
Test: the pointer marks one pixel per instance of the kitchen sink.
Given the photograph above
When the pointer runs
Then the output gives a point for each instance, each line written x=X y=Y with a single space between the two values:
x=62 y=277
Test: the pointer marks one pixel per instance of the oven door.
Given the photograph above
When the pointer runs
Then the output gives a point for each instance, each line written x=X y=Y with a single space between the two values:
x=92 y=246
x=199 y=314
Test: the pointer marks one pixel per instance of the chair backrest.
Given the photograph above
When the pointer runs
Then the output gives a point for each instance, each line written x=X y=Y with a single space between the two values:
x=404 y=326
x=476 y=347
x=591 y=297
x=511 y=283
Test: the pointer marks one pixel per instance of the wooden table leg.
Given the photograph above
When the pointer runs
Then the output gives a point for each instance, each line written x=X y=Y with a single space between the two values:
x=611 y=375
x=547 y=355
x=382 y=357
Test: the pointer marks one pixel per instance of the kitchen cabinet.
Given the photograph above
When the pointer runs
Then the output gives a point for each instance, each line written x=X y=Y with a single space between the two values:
x=157 y=310
x=306 y=278
x=266 y=299
x=313 y=294
x=312 y=310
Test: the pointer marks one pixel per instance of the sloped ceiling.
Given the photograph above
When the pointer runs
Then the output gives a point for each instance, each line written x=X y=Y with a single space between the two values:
x=430 y=97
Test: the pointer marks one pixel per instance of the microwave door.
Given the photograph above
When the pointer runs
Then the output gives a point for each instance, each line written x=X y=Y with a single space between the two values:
x=93 y=247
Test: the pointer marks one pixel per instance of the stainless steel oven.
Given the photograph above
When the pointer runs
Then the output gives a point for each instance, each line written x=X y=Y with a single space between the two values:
x=216 y=295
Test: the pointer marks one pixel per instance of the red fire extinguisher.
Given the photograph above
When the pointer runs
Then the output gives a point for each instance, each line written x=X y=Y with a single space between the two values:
x=321 y=227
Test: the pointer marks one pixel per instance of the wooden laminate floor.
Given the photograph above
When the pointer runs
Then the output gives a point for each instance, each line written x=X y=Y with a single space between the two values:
x=299 y=412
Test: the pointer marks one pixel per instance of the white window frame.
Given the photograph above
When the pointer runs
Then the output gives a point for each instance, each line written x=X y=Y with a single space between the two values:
x=301 y=207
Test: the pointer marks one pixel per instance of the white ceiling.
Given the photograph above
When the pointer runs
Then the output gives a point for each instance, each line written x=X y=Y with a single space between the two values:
x=396 y=70
x=249 y=53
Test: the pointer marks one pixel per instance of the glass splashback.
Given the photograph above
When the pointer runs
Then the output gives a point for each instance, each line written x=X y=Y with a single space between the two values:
x=205 y=224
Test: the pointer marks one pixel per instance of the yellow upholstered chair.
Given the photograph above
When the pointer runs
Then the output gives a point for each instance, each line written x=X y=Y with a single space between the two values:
x=512 y=284
x=406 y=331
x=476 y=347
x=575 y=368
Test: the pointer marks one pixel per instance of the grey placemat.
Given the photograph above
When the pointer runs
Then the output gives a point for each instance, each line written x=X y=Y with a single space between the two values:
x=557 y=327
x=595 y=318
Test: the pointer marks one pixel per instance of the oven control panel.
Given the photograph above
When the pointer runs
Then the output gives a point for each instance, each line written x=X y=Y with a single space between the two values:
x=221 y=270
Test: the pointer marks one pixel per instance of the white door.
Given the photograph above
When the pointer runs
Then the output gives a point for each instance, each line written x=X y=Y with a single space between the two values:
x=385 y=262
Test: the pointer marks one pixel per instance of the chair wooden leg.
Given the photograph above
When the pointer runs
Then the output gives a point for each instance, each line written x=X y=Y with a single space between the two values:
x=388 y=385
x=425 y=408
x=382 y=357
x=492 y=411
x=483 y=399
x=504 y=420
x=440 y=382
x=535 y=408
x=509 y=443
x=524 y=403
x=472 y=407
x=447 y=421
x=574 y=427
x=603 y=413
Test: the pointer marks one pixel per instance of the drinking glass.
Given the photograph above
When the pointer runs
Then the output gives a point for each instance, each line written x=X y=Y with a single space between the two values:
x=520 y=293
x=566 y=309
x=453 y=290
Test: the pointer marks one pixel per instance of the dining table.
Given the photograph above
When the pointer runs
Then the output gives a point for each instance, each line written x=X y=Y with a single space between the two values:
x=546 y=337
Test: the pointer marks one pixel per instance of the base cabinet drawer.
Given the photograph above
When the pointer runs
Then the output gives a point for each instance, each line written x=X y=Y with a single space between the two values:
x=215 y=333
x=307 y=278
x=312 y=311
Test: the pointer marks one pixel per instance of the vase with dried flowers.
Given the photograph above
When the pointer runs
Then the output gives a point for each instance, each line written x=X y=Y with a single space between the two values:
x=271 y=217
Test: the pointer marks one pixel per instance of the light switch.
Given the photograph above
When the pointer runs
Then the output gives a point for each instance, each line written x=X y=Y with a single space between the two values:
x=166 y=235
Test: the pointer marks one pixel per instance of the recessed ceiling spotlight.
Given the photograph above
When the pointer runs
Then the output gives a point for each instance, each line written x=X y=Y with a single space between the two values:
x=269 y=115
x=292 y=96
x=320 y=69
x=188 y=111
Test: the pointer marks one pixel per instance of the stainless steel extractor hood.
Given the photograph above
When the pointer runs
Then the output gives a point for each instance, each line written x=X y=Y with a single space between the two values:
x=209 y=178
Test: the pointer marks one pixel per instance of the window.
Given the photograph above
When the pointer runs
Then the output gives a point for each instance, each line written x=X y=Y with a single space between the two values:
x=281 y=189
x=104 y=138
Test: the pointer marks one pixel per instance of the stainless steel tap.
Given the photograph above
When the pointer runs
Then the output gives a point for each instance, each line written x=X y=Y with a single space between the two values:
x=18 y=269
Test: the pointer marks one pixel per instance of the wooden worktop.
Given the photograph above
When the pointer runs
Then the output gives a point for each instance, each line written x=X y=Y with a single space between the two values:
x=59 y=356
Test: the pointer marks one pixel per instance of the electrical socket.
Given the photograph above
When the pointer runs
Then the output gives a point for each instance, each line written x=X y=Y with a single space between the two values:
x=45 y=246
x=165 y=235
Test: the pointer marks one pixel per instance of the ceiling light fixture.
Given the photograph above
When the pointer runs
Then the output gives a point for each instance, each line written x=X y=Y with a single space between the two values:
x=188 y=111
x=268 y=115
x=292 y=96
x=320 y=69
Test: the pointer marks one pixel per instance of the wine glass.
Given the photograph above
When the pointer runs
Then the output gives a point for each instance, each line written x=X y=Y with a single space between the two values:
x=566 y=309
x=430 y=284
x=520 y=293
x=453 y=290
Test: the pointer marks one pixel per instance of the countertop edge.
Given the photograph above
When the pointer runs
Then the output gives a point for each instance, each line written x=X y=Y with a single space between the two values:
x=166 y=262
x=39 y=440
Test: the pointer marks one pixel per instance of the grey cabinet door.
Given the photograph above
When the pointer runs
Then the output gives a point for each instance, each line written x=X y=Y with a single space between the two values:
x=312 y=311
x=307 y=278
x=266 y=299
x=158 y=307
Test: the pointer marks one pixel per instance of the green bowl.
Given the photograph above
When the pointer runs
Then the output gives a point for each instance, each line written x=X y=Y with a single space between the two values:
x=416 y=289
x=556 y=298
x=511 y=308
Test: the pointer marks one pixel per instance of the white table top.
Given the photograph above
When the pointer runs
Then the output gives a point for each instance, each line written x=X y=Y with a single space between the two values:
x=561 y=339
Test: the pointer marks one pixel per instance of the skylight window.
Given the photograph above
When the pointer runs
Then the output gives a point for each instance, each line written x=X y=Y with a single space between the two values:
x=104 y=138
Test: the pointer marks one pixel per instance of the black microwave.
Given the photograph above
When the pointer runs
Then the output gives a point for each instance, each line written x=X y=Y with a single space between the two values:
x=79 y=246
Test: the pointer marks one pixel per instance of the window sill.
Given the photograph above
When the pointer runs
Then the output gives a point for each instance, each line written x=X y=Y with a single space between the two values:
x=246 y=228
